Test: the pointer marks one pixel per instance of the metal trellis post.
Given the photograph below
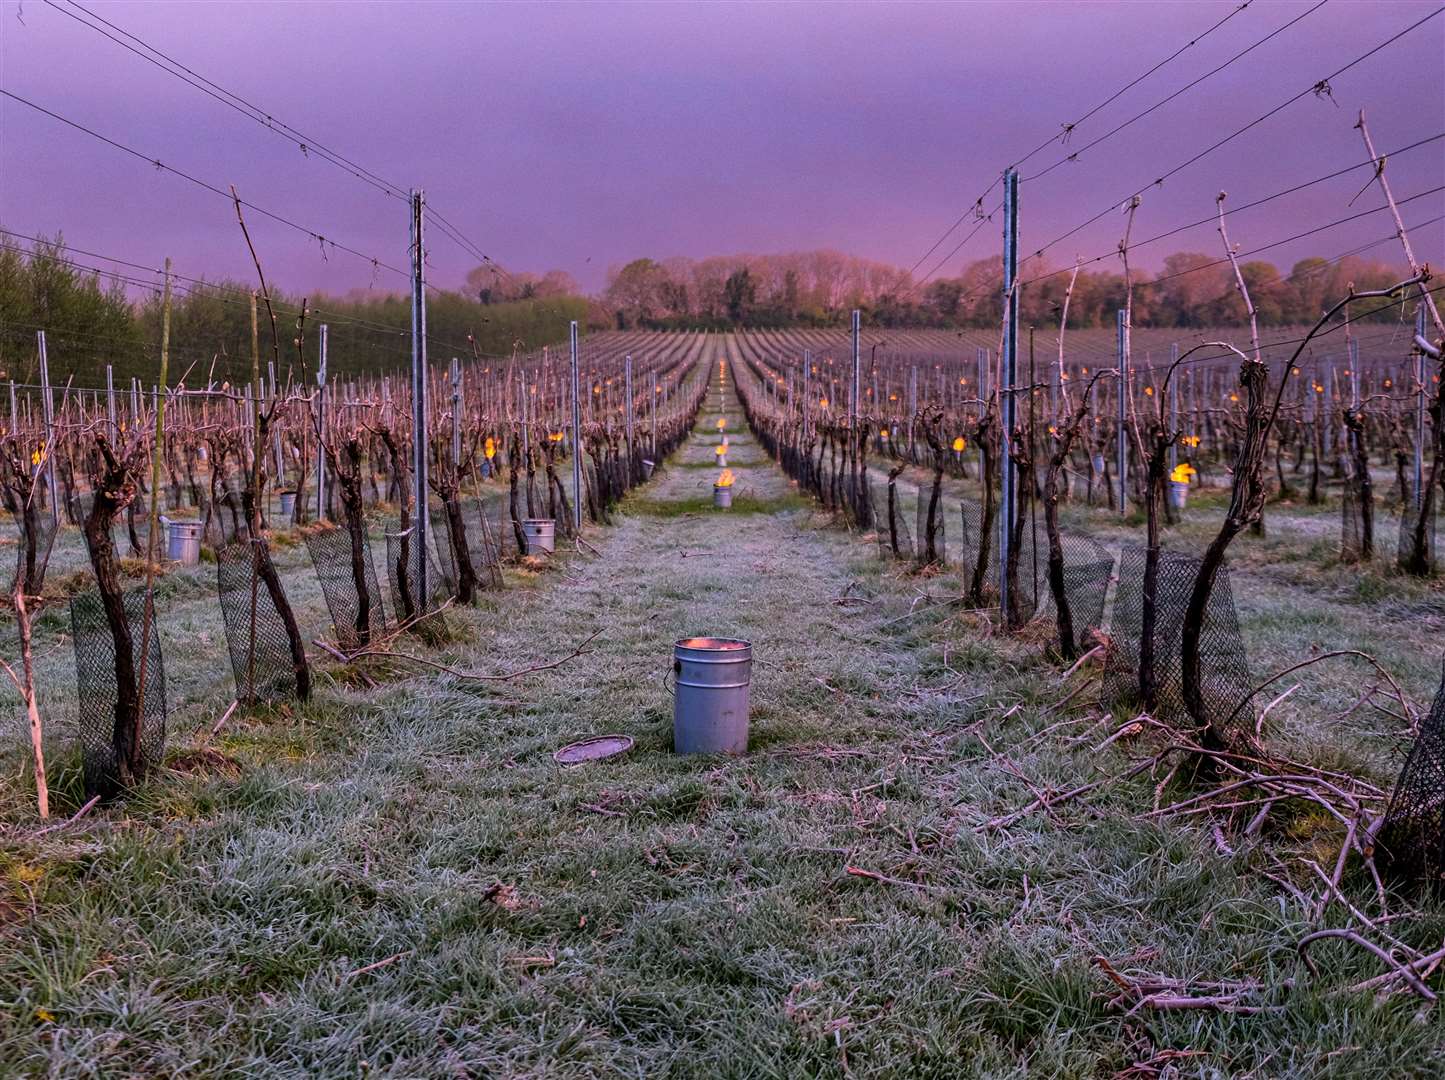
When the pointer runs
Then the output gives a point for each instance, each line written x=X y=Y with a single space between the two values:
x=576 y=435
x=321 y=429
x=49 y=413
x=1122 y=447
x=854 y=406
x=1009 y=366
x=1173 y=407
x=456 y=414
x=419 y=391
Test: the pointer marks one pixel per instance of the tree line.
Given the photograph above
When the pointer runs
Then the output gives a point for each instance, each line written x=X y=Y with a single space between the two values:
x=91 y=321
x=820 y=288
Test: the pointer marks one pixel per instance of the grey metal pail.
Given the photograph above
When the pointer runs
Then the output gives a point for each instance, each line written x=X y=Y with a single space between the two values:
x=183 y=542
x=541 y=534
x=710 y=709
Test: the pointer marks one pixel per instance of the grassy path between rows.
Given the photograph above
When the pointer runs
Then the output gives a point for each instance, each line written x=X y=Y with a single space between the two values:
x=403 y=883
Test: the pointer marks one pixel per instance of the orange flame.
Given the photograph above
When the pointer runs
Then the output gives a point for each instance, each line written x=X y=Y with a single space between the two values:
x=1182 y=472
x=958 y=444
x=725 y=478
x=490 y=448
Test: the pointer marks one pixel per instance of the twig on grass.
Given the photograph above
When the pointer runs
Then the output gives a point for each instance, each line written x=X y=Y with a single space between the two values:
x=335 y=653
x=873 y=875
x=1259 y=721
x=216 y=727
x=1075 y=692
x=1080 y=662
x=393 y=958
x=71 y=820
x=1399 y=694
x=1397 y=969
x=1047 y=801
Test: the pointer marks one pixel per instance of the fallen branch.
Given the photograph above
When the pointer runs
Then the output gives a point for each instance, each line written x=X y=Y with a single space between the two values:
x=1045 y=801
x=1259 y=721
x=393 y=958
x=71 y=820
x=333 y=651
x=216 y=727
x=1399 y=695
x=872 y=875
x=1080 y=662
x=1402 y=971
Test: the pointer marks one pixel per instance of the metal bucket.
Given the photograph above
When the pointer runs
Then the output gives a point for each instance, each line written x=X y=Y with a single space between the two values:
x=541 y=534
x=288 y=503
x=710 y=709
x=722 y=461
x=647 y=467
x=183 y=542
x=1178 y=493
x=722 y=497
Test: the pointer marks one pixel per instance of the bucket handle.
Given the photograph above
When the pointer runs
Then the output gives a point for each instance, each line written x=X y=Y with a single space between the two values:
x=676 y=667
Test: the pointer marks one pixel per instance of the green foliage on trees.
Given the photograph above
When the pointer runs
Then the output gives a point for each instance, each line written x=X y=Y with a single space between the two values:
x=89 y=324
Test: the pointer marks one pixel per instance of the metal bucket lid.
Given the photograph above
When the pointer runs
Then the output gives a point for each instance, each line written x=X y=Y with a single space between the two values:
x=593 y=749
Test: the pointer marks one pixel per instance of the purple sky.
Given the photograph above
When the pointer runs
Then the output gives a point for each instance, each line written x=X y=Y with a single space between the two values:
x=583 y=135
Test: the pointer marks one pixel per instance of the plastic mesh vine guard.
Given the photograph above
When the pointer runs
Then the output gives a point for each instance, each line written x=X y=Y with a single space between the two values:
x=255 y=632
x=1224 y=666
x=403 y=572
x=446 y=553
x=1352 y=523
x=1412 y=838
x=1088 y=566
x=880 y=534
x=35 y=538
x=930 y=533
x=899 y=539
x=97 y=692
x=480 y=546
x=332 y=554
x=971 y=538
x=1031 y=581
x=1406 y=550
x=226 y=523
x=859 y=495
